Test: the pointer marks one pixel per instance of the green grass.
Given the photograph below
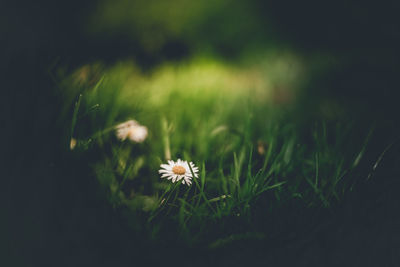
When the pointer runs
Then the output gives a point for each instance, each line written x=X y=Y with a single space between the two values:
x=235 y=122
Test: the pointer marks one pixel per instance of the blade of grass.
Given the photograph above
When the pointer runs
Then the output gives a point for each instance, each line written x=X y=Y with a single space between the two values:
x=75 y=115
x=200 y=191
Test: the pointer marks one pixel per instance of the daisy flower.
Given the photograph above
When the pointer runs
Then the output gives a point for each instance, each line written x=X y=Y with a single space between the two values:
x=179 y=170
x=131 y=129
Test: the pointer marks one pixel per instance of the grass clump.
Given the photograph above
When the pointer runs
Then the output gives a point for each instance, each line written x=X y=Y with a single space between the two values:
x=235 y=123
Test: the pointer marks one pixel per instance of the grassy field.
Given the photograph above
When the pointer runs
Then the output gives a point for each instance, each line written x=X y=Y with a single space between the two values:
x=289 y=110
x=239 y=123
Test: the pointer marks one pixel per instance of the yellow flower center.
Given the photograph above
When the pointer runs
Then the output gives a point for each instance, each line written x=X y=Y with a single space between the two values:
x=179 y=170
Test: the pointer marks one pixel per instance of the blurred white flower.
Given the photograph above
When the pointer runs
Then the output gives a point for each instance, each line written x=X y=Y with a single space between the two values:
x=179 y=170
x=72 y=143
x=131 y=129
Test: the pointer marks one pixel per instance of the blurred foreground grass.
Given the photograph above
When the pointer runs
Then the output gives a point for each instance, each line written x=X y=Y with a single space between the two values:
x=236 y=122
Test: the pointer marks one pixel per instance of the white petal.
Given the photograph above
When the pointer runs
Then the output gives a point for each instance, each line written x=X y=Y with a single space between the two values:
x=166 y=166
